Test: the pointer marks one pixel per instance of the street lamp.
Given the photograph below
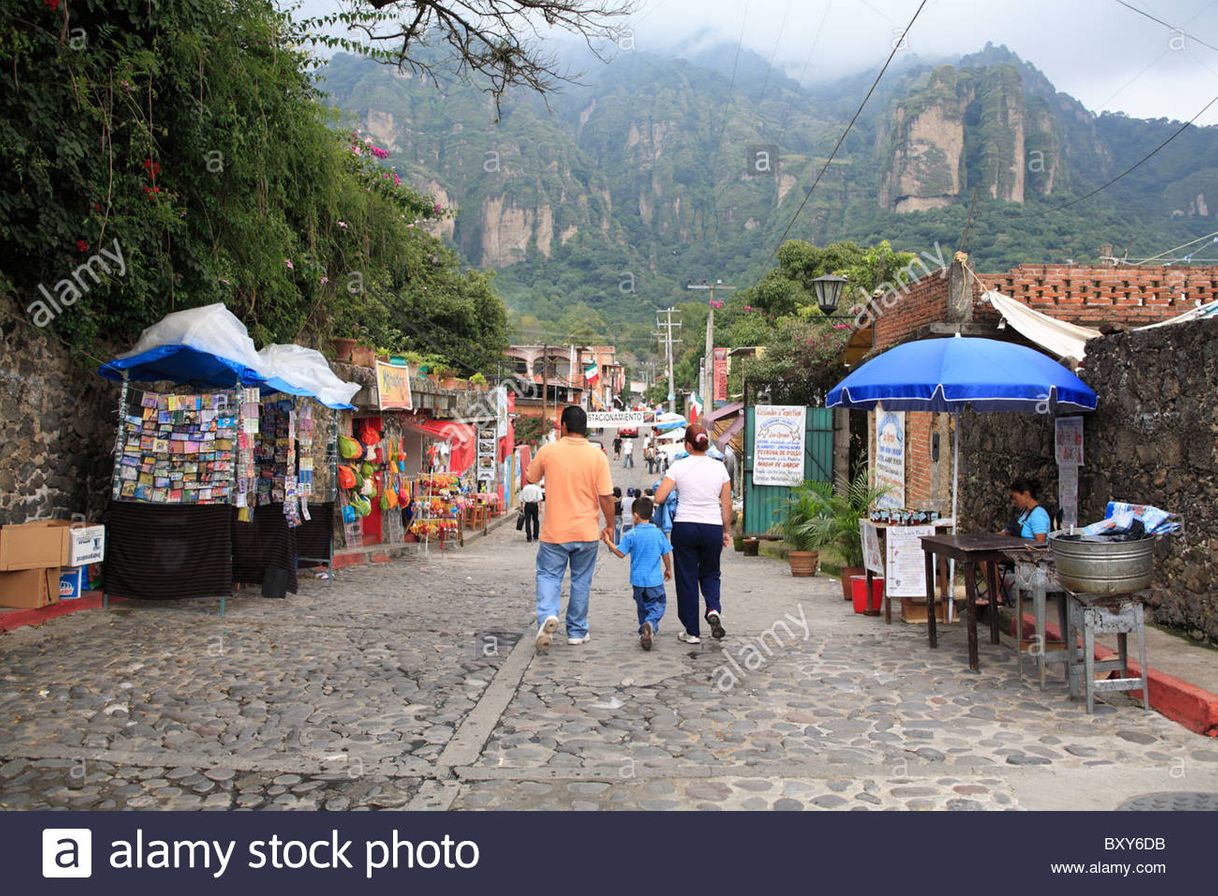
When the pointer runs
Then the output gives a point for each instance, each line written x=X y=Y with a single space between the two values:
x=828 y=291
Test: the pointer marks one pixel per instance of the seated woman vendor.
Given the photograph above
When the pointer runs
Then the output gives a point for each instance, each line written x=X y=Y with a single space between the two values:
x=1031 y=520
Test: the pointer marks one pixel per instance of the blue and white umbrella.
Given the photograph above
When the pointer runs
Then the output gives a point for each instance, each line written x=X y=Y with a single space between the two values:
x=960 y=372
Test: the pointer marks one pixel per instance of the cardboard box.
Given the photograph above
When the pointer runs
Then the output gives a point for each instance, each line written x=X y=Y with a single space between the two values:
x=83 y=544
x=35 y=545
x=29 y=589
x=72 y=582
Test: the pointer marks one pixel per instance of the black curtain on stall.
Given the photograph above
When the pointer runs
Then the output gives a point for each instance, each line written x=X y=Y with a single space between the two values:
x=168 y=551
x=264 y=551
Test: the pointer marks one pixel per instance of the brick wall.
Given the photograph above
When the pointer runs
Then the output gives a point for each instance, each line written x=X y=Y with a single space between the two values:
x=1092 y=296
x=925 y=303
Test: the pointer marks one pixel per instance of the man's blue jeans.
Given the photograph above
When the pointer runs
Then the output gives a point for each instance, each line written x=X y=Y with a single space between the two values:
x=552 y=560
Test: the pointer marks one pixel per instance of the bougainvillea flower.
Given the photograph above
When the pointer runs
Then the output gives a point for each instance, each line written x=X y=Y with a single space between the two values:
x=82 y=246
x=290 y=266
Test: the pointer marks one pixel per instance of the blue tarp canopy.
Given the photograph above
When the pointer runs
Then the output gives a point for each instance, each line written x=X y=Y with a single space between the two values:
x=191 y=366
x=182 y=364
x=951 y=374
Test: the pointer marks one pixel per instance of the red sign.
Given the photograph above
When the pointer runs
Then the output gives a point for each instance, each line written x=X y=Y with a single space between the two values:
x=720 y=390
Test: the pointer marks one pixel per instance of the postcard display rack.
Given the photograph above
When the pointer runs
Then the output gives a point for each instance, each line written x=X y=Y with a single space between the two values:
x=190 y=467
x=182 y=461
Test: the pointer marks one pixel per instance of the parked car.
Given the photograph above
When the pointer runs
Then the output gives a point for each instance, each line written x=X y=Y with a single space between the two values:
x=628 y=432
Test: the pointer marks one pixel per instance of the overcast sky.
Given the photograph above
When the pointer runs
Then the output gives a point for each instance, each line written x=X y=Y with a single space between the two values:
x=1102 y=53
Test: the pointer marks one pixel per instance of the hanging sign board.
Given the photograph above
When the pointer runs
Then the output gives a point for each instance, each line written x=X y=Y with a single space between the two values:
x=890 y=457
x=393 y=387
x=615 y=419
x=778 y=444
x=873 y=557
x=720 y=375
x=1068 y=441
x=906 y=563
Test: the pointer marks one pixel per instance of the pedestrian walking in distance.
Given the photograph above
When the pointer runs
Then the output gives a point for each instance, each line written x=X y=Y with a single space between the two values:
x=617 y=514
x=530 y=501
x=701 y=529
x=649 y=455
x=650 y=567
x=579 y=490
x=628 y=454
x=617 y=447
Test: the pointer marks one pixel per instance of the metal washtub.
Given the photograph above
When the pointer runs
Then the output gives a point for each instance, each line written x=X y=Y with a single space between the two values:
x=1091 y=567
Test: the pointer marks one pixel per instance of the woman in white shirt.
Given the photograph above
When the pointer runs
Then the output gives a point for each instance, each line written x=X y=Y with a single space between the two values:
x=700 y=532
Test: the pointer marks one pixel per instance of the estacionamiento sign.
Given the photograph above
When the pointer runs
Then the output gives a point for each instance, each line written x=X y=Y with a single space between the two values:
x=616 y=419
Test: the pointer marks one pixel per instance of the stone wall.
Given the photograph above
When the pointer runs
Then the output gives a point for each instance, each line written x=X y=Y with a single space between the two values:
x=1153 y=439
x=57 y=420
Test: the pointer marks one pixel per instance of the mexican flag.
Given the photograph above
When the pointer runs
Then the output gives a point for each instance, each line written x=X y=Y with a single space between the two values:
x=695 y=407
x=591 y=374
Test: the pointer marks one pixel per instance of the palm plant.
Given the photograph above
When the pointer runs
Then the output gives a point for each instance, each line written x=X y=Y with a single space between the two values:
x=836 y=522
x=806 y=506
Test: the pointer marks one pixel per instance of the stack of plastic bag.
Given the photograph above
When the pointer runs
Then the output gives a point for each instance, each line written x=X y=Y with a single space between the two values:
x=1131 y=522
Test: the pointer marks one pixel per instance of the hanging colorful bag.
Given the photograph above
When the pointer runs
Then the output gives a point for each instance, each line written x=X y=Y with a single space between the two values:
x=349 y=448
x=346 y=477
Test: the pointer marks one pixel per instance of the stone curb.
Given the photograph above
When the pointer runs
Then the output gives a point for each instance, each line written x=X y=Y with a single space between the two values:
x=1193 y=707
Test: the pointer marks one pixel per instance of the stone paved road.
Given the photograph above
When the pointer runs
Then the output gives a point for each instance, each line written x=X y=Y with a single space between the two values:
x=411 y=686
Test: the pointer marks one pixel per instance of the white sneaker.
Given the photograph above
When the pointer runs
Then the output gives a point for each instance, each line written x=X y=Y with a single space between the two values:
x=548 y=628
x=688 y=638
x=584 y=640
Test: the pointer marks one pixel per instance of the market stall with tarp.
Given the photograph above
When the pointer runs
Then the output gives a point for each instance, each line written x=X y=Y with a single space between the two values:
x=215 y=459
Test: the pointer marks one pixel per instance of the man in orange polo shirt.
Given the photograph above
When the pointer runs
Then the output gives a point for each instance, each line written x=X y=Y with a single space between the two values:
x=578 y=490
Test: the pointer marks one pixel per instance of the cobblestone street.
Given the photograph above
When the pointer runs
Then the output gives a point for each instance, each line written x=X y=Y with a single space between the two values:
x=415 y=685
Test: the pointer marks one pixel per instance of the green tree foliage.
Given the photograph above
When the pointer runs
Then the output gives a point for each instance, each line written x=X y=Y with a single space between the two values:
x=192 y=133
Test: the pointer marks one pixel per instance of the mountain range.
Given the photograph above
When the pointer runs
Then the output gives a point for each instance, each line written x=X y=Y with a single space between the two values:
x=600 y=202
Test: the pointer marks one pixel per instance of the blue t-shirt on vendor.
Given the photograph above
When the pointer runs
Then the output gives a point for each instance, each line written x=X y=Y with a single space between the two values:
x=1034 y=522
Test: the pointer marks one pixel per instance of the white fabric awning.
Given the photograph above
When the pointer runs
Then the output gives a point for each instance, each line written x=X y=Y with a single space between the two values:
x=1065 y=340
x=1198 y=313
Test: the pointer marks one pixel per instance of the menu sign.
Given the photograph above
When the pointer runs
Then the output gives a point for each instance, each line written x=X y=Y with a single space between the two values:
x=906 y=563
x=393 y=387
x=778 y=444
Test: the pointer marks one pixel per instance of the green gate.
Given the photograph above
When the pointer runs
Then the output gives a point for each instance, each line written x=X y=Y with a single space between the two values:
x=763 y=504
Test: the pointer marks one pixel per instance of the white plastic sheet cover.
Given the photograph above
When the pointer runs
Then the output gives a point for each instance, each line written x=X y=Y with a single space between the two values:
x=306 y=368
x=211 y=328
x=1063 y=339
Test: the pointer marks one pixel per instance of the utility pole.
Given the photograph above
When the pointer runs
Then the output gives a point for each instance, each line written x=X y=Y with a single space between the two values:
x=706 y=377
x=545 y=387
x=664 y=333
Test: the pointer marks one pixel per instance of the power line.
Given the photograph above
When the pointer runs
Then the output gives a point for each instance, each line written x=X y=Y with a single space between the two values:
x=1141 y=162
x=896 y=46
x=1179 y=31
x=1179 y=247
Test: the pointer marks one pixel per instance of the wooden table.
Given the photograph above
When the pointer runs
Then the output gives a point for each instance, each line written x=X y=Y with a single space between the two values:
x=968 y=551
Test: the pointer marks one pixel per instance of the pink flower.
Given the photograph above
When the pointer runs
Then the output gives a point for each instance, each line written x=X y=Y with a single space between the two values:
x=325 y=280
x=841 y=326
x=748 y=307
x=290 y=266
x=342 y=224
x=436 y=208
x=397 y=181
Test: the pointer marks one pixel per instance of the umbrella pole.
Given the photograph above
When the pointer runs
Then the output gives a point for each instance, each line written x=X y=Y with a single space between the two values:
x=951 y=566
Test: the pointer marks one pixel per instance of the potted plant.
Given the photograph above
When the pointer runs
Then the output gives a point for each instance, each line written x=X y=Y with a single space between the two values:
x=837 y=523
x=478 y=381
x=343 y=348
x=805 y=505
